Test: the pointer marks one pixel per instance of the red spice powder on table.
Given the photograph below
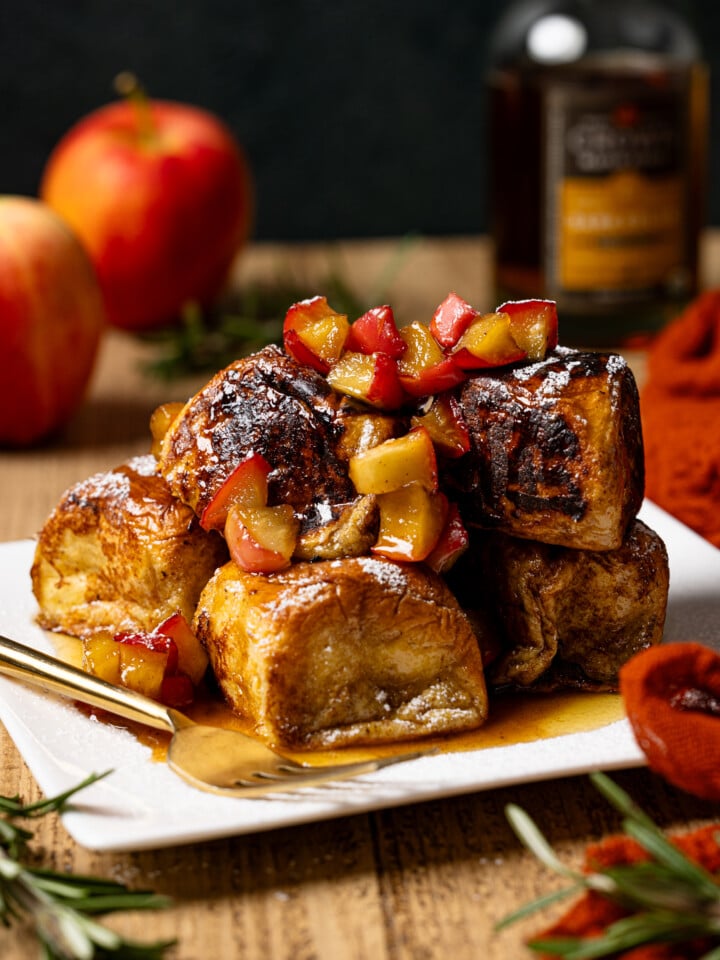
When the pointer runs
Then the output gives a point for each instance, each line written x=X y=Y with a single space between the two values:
x=680 y=408
x=592 y=913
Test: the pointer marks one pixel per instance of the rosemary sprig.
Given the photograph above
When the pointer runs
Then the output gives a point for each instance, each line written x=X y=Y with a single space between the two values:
x=204 y=341
x=61 y=906
x=668 y=898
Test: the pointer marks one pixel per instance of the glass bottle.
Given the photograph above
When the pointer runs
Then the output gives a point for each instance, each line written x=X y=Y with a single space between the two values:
x=598 y=122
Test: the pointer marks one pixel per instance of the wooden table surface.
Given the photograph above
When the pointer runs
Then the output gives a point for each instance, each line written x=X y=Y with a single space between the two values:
x=418 y=882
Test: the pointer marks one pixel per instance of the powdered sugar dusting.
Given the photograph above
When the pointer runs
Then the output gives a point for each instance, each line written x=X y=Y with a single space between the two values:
x=616 y=363
x=385 y=572
x=145 y=465
x=103 y=485
x=307 y=593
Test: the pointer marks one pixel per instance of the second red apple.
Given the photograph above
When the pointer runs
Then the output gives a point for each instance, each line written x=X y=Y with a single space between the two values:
x=160 y=194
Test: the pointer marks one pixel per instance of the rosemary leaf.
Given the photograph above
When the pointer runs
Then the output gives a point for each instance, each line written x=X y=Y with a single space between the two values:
x=62 y=907
x=204 y=341
x=534 y=905
x=534 y=840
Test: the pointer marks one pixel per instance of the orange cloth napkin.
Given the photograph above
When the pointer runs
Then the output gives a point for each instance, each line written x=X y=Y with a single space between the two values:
x=680 y=408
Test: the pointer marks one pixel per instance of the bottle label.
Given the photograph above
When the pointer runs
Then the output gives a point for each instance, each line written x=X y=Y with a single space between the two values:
x=616 y=175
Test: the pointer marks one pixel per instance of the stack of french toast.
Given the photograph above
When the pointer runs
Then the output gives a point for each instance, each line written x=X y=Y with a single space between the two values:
x=367 y=550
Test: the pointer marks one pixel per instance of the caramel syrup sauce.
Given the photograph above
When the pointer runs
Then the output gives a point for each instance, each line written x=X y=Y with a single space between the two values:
x=514 y=718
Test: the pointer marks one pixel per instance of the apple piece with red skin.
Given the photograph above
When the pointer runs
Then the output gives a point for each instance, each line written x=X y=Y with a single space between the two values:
x=247 y=484
x=395 y=463
x=150 y=664
x=412 y=519
x=533 y=325
x=451 y=319
x=376 y=332
x=145 y=659
x=52 y=319
x=261 y=539
x=488 y=342
x=370 y=377
x=177 y=690
x=446 y=425
x=314 y=334
x=192 y=658
x=423 y=368
x=452 y=542
x=160 y=194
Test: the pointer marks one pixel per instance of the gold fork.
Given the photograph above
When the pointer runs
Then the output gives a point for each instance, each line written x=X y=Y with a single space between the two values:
x=221 y=761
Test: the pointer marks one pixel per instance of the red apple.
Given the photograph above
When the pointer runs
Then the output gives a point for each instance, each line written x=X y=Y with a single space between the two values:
x=396 y=463
x=51 y=318
x=160 y=194
x=412 y=520
x=451 y=544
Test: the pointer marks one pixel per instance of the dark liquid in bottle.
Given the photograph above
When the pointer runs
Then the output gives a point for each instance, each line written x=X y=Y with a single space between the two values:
x=597 y=190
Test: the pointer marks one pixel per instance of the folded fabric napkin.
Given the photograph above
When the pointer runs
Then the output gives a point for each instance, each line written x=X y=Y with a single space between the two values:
x=680 y=407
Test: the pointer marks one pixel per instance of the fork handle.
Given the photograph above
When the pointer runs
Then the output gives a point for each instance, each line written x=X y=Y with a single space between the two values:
x=24 y=663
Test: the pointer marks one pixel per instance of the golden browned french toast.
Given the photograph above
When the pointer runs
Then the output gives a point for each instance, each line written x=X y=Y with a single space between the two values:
x=329 y=627
x=556 y=450
x=563 y=617
x=272 y=405
x=342 y=652
x=119 y=552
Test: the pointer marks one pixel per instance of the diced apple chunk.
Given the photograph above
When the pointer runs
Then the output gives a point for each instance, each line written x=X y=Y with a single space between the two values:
x=262 y=539
x=247 y=486
x=488 y=342
x=145 y=658
x=395 y=463
x=372 y=378
x=314 y=333
x=192 y=659
x=376 y=332
x=452 y=542
x=533 y=325
x=446 y=425
x=101 y=657
x=423 y=368
x=411 y=522
x=451 y=319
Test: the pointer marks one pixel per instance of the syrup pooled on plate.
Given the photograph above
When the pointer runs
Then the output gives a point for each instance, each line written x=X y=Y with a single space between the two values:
x=514 y=719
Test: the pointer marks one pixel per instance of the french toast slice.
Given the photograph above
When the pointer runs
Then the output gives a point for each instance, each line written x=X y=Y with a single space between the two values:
x=270 y=404
x=332 y=653
x=556 y=450
x=119 y=552
x=564 y=617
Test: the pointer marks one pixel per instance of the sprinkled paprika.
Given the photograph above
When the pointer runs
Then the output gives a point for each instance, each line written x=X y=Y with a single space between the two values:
x=593 y=913
x=672 y=700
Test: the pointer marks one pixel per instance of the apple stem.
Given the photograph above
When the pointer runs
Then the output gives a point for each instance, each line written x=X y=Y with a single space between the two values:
x=128 y=86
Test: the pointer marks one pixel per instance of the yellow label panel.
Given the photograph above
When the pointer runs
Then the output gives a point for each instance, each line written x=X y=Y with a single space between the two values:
x=623 y=231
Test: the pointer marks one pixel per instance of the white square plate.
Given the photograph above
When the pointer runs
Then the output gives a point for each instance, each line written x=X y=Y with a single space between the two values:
x=142 y=804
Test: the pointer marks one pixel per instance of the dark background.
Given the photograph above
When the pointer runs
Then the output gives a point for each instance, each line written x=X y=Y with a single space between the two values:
x=360 y=119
